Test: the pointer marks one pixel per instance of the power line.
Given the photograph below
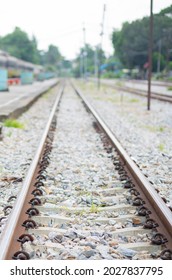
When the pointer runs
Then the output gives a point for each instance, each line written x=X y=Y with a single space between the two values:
x=84 y=54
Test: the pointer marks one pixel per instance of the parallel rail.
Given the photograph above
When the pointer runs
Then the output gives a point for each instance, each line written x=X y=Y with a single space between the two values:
x=159 y=84
x=19 y=220
x=154 y=95
x=15 y=228
x=160 y=212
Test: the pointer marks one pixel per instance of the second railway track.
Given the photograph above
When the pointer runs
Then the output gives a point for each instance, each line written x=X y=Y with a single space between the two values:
x=138 y=91
x=83 y=197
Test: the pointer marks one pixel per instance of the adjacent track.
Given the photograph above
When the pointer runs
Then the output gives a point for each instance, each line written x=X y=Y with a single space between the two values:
x=135 y=194
x=141 y=92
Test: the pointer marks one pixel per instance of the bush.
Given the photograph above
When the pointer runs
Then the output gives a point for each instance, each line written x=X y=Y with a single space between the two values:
x=111 y=75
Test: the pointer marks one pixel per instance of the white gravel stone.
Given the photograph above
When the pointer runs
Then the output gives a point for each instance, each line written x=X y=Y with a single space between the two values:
x=19 y=145
x=145 y=135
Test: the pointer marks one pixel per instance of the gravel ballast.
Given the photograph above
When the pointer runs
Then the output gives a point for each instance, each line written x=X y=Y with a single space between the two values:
x=145 y=135
x=17 y=148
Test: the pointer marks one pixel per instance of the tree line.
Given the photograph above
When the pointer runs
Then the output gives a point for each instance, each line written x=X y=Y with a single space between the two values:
x=130 y=49
x=130 y=46
x=131 y=42
x=18 y=44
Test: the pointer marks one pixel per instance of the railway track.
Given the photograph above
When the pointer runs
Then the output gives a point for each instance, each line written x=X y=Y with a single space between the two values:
x=159 y=84
x=141 y=92
x=83 y=197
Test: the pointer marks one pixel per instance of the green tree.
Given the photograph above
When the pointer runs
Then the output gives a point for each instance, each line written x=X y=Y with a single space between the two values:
x=131 y=42
x=86 y=59
x=19 y=45
x=52 y=56
x=167 y=11
x=158 y=58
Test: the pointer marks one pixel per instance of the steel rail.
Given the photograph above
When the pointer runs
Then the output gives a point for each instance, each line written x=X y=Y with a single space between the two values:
x=160 y=212
x=154 y=95
x=144 y=92
x=144 y=82
x=8 y=241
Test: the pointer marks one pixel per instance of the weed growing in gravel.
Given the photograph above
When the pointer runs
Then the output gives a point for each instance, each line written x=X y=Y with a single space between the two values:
x=104 y=186
x=47 y=94
x=80 y=213
x=154 y=129
x=113 y=99
x=84 y=192
x=13 y=123
x=161 y=128
x=161 y=147
x=134 y=100
x=65 y=208
x=119 y=83
x=94 y=208
x=170 y=88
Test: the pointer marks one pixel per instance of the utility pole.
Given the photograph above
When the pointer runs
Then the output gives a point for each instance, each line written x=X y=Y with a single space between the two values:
x=159 y=56
x=81 y=65
x=150 y=54
x=84 y=54
x=96 y=63
x=101 y=42
x=102 y=24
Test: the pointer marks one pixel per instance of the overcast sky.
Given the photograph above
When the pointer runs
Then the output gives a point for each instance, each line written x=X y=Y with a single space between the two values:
x=61 y=22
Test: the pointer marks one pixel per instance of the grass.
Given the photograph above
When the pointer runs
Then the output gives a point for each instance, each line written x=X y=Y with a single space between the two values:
x=155 y=129
x=170 y=88
x=134 y=100
x=46 y=95
x=80 y=212
x=84 y=192
x=161 y=147
x=161 y=129
x=94 y=208
x=65 y=208
x=119 y=83
x=13 y=123
x=104 y=187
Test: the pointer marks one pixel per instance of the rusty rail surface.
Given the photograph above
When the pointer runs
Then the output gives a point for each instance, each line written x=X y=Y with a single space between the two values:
x=154 y=95
x=159 y=210
x=145 y=82
x=20 y=220
x=14 y=233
